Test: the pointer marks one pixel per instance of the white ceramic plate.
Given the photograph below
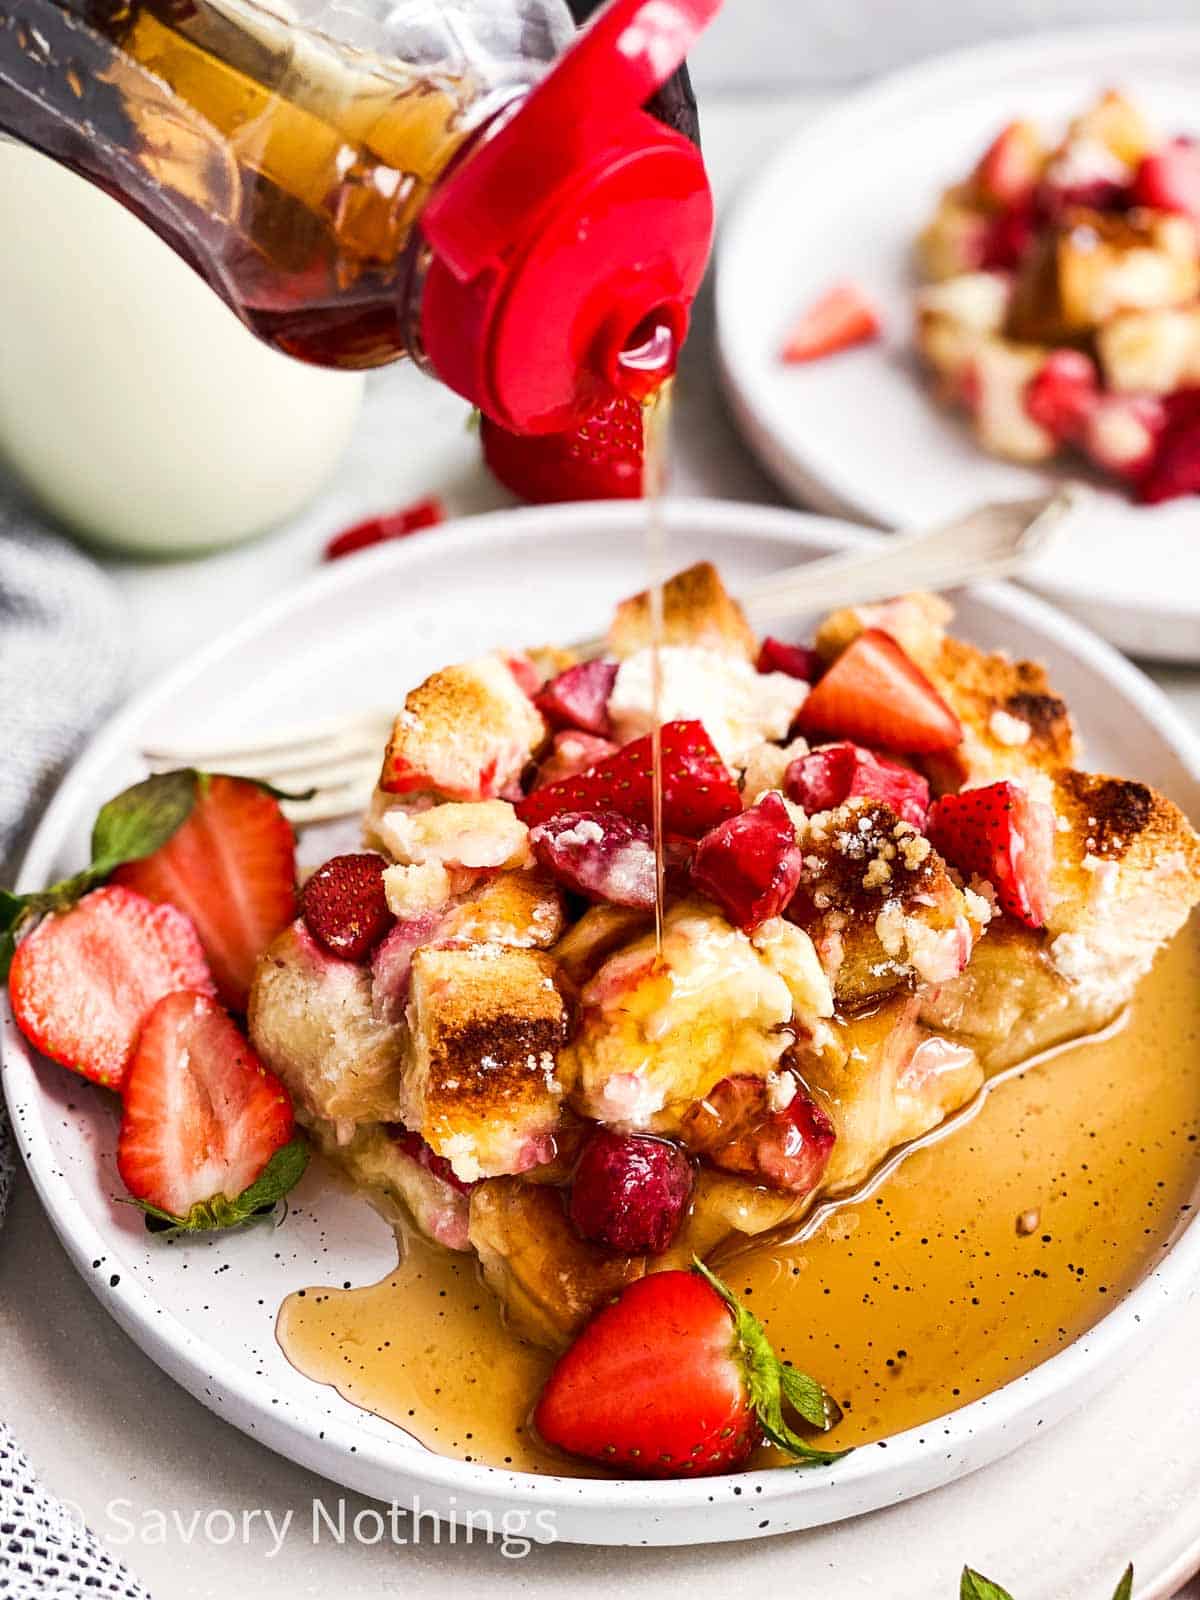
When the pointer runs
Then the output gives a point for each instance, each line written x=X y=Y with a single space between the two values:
x=859 y=434
x=362 y=633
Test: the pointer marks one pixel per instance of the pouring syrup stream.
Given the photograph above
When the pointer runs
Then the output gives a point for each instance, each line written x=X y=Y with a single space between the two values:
x=656 y=422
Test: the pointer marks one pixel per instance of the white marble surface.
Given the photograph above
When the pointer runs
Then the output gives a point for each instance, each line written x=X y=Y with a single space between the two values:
x=93 y=1412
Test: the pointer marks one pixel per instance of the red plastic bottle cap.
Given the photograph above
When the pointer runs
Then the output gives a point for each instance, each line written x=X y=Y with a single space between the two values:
x=566 y=250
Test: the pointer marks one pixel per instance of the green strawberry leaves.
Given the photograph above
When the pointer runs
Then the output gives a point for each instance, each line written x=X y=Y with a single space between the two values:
x=974 y=1586
x=771 y=1385
x=281 y=1173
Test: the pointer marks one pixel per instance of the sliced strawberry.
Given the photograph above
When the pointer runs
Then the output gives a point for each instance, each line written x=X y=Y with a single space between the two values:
x=232 y=868
x=675 y=1379
x=601 y=460
x=578 y=697
x=1009 y=168
x=599 y=854
x=1169 y=179
x=379 y=530
x=1000 y=834
x=572 y=753
x=1123 y=432
x=735 y=1128
x=1063 y=394
x=1174 y=468
x=345 y=907
x=698 y=789
x=82 y=983
x=795 y=659
x=202 y=1117
x=874 y=694
x=825 y=777
x=840 y=318
x=750 y=864
x=525 y=672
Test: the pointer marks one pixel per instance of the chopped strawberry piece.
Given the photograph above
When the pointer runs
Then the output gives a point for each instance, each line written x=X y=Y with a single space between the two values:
x=876 y=695
x=750 y=864
x=578 y=697
x=1000 y=834
x=698 y=790
x=415 y=1147
x=379 y=530
x=600 y=854
x=526 y=674
x=735 y=1128
x=600 y=460
x=1122 y=433
x=838 y=319
x=232 y=868
x=82 y=983
x=1169 y=179
x=572 y=753
x=795 y=659
x=1174 y=469
x=391 y=964
x=1009 y=168
x=345 y=908
x=202 y=1116
x=1063 y=394
x=825 y=777
x=630 y=1192
x=1007 y=237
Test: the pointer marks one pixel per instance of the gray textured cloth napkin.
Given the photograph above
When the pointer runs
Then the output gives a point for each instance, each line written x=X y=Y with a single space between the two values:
x=62 y=662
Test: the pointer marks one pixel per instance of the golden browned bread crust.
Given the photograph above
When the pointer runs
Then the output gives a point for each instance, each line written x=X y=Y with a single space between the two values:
x=697 y=610
x=487 y=1024
x=523 y=909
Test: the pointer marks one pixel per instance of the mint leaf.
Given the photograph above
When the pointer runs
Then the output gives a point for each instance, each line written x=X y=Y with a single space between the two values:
x=281 y=1173
x=806 y=1396
x=1124 y=1590
x=140 y=820
x=12 y=908
x=974 y=1586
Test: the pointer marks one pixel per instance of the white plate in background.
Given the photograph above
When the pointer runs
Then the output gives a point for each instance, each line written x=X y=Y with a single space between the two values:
x=359 y=633
x=859 y=434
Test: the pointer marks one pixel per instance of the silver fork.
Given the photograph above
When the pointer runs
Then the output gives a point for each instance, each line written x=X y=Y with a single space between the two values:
x=340 y=758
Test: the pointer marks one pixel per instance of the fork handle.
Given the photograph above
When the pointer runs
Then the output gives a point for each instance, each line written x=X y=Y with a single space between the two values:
x=989 y=542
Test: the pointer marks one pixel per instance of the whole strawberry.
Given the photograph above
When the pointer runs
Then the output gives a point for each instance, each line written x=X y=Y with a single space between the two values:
x=601 y=460
x=344 y=905
x=675 y=1379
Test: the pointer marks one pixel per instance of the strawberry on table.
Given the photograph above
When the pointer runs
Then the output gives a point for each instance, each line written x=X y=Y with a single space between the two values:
x=231 y=866
x=698 y=788
x=876 y=695
x=827 y=776
x=750 y=864
x=601 y=460
x=1000 y=834
x=82 y=983
x=206 y=1130
x=676 y=1379
x=843 y=316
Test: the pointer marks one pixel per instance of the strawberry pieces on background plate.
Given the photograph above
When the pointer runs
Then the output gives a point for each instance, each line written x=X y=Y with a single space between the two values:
x=676 y=1379
x=998 y=833
x=876 y=695
x=83 y=981
x=203 y=1119
x=838 y=319
x=231 y=866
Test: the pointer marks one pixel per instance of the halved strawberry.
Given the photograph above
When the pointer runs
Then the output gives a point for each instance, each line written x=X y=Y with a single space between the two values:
x=1169 y=179
x=797 y=660
x=698 y=790
x=841 y=317
x=675 y=1379
x=825 y=777
x=380 y=530
x=750 y=864
x=578 y=697
x=202 y=1119
x=232 y=868
x=874 y=694
x=1009 y=168
x=1063 y=394
x=601 y=460
x=1000 y=834
x=82 y=983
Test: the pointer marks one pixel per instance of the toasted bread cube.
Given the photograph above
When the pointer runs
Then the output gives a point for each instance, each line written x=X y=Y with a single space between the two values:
x=1001 y=372
x=475 y=834
x=1120 y=126
x=954 y=317
x=482 y=1087
x=464 y=734
x=1151 y=352
x=880 y=905
x=312 y=1021
x=654 y=1035
x=952 y=241
x=697 y=610
x=916 y=621
x=523 y=910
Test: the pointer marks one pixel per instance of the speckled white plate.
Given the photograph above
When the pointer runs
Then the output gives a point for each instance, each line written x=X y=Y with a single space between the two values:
x=360 y=633
x=859 y=434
